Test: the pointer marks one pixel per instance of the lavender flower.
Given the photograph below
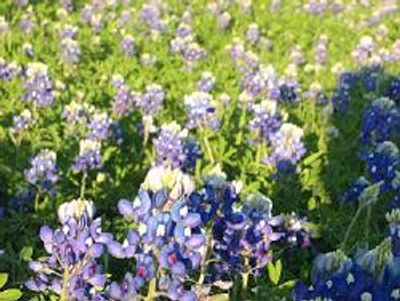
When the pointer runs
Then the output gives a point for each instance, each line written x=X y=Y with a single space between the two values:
x=128 y=45
x=43 y=171
x=22 y=121
x=70 y=270
x=201 y=110
x=89 y=156
x=8 y=71
x=170 y=145
x=70 y=51
x=99 y=127
x=253 y=33
x=286 y=145
x=266 y=121
x=151 y=100
x=207 y=82
x=38 y=85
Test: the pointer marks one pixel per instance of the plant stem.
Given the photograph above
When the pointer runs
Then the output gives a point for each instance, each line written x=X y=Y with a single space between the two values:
x=83 y=185
x=152 y=292
x=36 y=201
x=204 y=260
x=64 y=292
x=348 y=231
x=367 y=220
x=208 y=147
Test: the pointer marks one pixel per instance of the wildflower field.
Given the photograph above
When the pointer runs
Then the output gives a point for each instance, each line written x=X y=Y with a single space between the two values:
x=204 y=150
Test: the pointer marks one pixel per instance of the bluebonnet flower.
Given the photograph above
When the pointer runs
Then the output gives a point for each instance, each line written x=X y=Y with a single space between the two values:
x=68 y=31
x=89 y=157
x=151 y=100
x=43 y=172
x=193 y=53
x=151 y=16
x=296 y=230
x=124 y=100
x=286 y=145
x=297 y=55
x=201 y=110
x=253 y=33
x=27 y=22
x=192 y=152
x=355 y=190
x=70 y=51
x=38 y=85
x=77 y=113
x=393 y=91
x=70 y=270
x=364 y=50
x=288 y=90
x=128 y=45
x=381 y=121
x=8 y=71
x=22 y=121
x=207 y=82
x=170 y=145
x=382 y=163
x=370 y=77
x=321 y=50
x=167 y=228
x=99 y=127
x=370 y=275
x=341 y=94
x=266 y=120
x=123 y=291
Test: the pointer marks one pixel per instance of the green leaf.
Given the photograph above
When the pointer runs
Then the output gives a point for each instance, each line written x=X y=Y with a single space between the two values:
x=219 y=297
x=274 y=271
x=10 y=295
x=26 y=253
x=288 y=285
x=3 y=279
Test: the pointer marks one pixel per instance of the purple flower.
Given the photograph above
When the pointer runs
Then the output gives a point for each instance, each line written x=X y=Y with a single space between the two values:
x=22 y=121
x=151 y=100
x=207 y=82
x=201 y=110
x=99 y=127
x=128 y=45
x=71 y=269
x=70 y=51
x=89 y=156
x=38 y=86
x=170 y=145
x=286 y=145
x=43 y=171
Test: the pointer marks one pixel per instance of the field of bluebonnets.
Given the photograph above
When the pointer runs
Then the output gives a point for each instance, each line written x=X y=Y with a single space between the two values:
x=199 y=150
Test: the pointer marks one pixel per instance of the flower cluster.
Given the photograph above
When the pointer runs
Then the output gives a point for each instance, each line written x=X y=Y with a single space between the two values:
x=8 y=71
x=43 y=172
x=151 y=16
x=266 y=120
x=71 y=270
x=22 y=121
x=151 y=101
x=128 y=45
x=185 y=45
x=286 y=146
x=369 y=275
x=38 y=85
x=89 y=157
x=70 y=51
x=201 y=110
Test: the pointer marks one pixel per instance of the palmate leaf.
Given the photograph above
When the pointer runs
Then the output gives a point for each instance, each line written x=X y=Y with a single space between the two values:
x=3 y=279
x=10 y=295
x=275 y=271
